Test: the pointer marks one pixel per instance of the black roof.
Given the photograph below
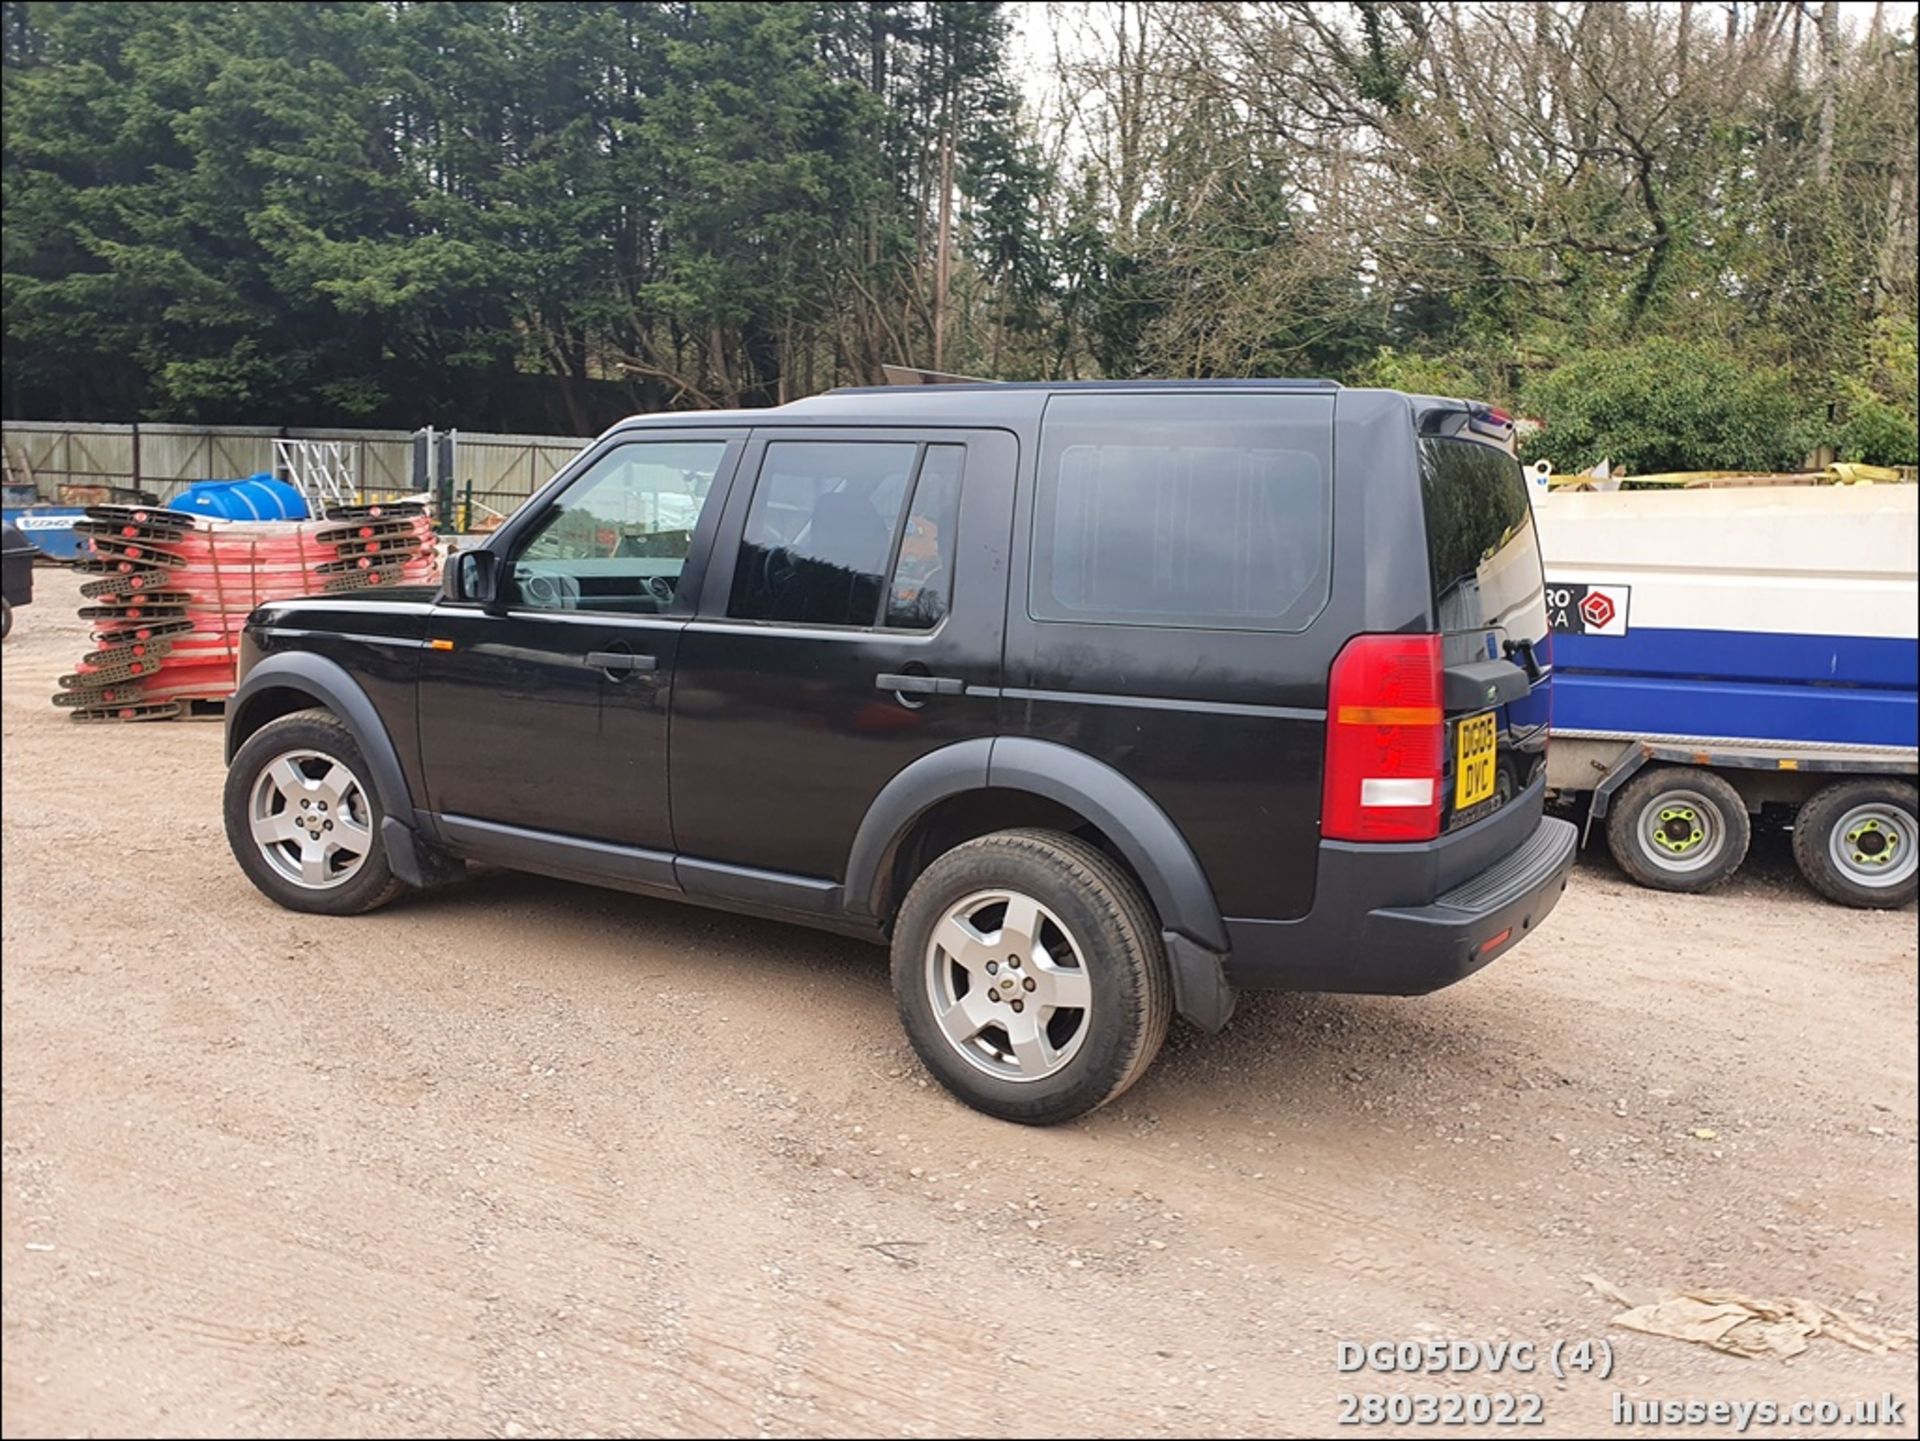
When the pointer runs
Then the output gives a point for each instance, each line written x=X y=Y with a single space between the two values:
x=1001 y=386
x=969 y=403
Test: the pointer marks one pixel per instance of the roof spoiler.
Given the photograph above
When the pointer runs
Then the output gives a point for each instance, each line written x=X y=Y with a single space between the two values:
x=908 y=375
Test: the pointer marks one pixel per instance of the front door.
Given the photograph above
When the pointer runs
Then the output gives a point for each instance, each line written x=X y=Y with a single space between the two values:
x=851 y=622
x=545 y=716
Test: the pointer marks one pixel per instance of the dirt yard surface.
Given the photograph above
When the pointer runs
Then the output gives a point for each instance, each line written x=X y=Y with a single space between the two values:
x=524 y=1158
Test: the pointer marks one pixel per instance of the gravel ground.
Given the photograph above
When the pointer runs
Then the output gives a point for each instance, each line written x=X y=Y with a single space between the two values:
x=525 y=1158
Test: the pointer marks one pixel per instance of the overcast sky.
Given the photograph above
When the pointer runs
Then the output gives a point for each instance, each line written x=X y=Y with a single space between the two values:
x=1033 y=40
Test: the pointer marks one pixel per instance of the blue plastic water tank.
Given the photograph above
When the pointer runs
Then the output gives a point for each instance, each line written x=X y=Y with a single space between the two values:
x=258 y=497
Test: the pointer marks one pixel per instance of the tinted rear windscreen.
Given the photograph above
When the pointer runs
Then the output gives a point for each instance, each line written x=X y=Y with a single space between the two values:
x=1182 y=510
x=1481 y=550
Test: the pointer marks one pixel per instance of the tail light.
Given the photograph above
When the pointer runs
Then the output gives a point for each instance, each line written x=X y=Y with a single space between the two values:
x=1485 y=420
x=1385 y=740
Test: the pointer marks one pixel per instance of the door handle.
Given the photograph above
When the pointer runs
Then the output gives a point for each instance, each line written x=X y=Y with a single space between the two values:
x=620 y=660
x=920 y=684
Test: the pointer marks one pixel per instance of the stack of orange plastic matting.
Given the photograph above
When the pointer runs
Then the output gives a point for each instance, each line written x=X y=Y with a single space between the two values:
x=170 y=593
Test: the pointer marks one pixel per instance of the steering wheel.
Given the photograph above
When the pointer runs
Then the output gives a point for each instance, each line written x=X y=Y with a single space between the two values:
x=551 y=591
x=661 y=589
x=777 y=569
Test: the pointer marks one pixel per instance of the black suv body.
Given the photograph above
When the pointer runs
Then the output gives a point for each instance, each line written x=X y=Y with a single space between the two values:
x=1164 y=689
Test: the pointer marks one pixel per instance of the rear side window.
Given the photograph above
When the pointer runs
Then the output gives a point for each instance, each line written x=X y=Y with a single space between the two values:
x=1481 y=550
x=819 y=533
x=855 y=533
x=1184 y=510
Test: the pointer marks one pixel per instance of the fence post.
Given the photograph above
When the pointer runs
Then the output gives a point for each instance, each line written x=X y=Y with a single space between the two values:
x=443 y=479
x=423 y=459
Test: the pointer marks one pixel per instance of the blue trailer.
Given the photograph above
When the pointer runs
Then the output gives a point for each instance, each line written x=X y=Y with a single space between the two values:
x=1722 y=652
x=48 y=527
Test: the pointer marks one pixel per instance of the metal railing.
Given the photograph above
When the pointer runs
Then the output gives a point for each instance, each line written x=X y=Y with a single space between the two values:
x=67 y=459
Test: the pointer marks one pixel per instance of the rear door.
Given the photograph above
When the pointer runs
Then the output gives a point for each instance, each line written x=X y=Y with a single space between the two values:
x=1489 y=602
x=852 y=622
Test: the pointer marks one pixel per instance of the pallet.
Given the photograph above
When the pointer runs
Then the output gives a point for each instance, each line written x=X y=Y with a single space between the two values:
x=139 y=711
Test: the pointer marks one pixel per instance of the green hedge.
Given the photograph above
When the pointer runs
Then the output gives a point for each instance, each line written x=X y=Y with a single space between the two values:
x=1661 y=405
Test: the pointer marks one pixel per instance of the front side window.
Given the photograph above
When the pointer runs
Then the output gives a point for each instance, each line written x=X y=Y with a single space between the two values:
x=617 y=538
x=819 y=537
x=1184 y=510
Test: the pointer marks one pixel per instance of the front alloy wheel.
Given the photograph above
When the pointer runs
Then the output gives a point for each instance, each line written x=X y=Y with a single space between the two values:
x=302 y=818
x=310 y=819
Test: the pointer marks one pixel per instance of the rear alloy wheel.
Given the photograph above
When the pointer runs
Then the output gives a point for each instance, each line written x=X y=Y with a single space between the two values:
x=1030 y=975
x=1857 y=842
x=1679 y=828
x=302 y=818
x=1008 y=986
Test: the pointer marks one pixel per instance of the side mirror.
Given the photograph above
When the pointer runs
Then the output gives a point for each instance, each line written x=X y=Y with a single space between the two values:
x=474 y=576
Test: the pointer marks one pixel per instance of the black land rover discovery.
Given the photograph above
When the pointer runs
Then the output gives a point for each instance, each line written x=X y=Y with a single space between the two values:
x=1095 y=702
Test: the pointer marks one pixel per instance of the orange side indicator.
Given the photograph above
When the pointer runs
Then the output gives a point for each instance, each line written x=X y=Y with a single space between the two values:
x=439 y=645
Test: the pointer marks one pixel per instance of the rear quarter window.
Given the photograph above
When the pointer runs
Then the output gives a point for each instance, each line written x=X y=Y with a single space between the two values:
x=1482 y=553
x=1184 y=510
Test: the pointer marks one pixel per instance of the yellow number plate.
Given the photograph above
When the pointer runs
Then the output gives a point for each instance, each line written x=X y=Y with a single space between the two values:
x=1476 y=751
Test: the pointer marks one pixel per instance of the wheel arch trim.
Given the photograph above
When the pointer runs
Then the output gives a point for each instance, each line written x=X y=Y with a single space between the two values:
x=1143 y=833
x=330 y=685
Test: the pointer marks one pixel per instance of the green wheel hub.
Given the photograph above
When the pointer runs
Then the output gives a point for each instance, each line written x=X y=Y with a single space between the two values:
x=1876 y=845
x=1873 y=845
x=1679 y=830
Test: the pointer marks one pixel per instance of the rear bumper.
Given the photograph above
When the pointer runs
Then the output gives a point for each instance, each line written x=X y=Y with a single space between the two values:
x=1366 y=935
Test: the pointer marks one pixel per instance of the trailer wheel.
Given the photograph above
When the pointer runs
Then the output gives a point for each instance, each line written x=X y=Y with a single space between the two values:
x=1857 y=842
x=1678 y=828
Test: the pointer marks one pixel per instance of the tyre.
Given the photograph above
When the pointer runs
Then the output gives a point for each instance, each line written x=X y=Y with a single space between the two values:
x=1030 y=976
x=303 y=820
x=1857 y=842
x=1678 y=828
x=6 y=619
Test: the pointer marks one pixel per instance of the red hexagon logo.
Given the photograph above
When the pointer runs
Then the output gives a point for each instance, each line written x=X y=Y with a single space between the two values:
x=1597 y=610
